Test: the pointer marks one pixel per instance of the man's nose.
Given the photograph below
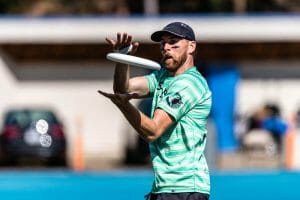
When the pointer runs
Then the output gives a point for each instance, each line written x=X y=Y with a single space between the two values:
x=166 y=47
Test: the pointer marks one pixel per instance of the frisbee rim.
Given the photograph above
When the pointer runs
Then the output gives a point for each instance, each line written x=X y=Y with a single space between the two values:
x=133 y=60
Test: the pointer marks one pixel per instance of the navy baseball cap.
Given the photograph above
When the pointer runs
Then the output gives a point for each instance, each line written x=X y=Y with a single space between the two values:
x=179 y=29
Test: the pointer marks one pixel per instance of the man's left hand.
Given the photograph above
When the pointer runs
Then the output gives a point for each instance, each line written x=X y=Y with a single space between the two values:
x=119 y=99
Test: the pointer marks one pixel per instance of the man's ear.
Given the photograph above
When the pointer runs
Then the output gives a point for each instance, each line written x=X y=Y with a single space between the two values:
x=192 y=47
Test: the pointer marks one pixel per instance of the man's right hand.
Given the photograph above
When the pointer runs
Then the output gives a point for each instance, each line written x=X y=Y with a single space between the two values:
x=123 y=41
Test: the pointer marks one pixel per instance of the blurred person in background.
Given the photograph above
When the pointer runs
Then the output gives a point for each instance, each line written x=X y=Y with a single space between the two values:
x=176 y=131
x=298 y=118
x=269 y=118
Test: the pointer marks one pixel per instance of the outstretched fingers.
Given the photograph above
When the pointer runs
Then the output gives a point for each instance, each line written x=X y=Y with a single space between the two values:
x=122 y=41
x=128 y=40
x=108 y=95
x=119 y=98
x=118 y=37
x=112 y=43
x=135 y=46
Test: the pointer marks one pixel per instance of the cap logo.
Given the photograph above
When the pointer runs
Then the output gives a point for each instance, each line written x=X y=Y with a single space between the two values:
x=184 y=25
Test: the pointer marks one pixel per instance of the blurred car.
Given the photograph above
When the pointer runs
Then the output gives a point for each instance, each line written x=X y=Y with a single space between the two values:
x=32 y=134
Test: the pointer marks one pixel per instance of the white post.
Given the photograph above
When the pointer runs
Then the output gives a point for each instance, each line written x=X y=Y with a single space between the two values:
x=151 y=7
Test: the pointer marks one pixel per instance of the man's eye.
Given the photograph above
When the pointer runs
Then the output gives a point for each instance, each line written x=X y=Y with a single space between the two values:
x=172 y=42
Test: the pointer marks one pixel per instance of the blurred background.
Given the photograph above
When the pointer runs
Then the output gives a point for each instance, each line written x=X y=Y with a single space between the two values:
x=53 y=61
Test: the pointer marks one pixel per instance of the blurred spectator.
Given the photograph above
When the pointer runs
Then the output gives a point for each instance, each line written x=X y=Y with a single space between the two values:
x=298 y=119
x=269 y=118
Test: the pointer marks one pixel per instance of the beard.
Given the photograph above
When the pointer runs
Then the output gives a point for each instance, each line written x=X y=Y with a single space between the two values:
x=172 y=63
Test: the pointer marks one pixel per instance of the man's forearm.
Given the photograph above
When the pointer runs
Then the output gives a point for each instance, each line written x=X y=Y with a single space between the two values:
x=148 y=128
x=139 y=121
x=121 y=78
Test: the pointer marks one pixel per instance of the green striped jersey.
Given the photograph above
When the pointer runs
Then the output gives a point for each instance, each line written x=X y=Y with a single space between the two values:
x=178 y=155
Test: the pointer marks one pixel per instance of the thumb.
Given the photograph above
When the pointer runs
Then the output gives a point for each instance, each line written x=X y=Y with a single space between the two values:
x=135 y=46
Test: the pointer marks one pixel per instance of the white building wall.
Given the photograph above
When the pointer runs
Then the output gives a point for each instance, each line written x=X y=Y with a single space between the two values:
x=80 y=107
x=252 y=94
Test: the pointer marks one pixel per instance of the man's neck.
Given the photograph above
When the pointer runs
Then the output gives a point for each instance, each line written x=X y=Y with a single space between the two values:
x=187 y=65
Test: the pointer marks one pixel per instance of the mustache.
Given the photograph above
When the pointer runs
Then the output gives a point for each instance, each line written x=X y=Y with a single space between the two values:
x=166 y=56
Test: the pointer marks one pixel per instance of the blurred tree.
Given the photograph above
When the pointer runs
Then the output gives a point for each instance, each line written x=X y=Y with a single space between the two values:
x=136 y=7
x=151 y=7
x=12 y=6
x=179 y=6
x=220 y=6
x=240 y=6
x=291 y=5
x=266 y=5
x=42 y=8
x=192 y=6
x=54 y=7
x=126 y=7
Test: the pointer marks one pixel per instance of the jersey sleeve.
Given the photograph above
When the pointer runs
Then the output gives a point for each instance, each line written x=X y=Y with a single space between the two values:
x=181 y=96
x=152 y=80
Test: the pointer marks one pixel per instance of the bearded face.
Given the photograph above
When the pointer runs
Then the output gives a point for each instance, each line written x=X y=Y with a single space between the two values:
x=173 y=61
x=174 y=52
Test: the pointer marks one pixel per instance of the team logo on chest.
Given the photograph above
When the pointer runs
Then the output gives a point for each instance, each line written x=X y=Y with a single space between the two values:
x=174 y=101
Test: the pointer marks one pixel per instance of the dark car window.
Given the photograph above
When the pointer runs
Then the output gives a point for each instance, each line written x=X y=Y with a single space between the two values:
x=48 y=116
x=25 y=118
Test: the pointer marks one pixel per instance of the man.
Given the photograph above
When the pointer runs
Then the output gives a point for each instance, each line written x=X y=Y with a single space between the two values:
x=176 y=132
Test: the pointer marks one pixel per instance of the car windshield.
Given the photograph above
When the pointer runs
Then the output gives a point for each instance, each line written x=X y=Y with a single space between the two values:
x=24 y=118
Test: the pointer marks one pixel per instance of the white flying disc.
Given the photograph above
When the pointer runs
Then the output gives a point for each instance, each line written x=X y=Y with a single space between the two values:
x=133 y=60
